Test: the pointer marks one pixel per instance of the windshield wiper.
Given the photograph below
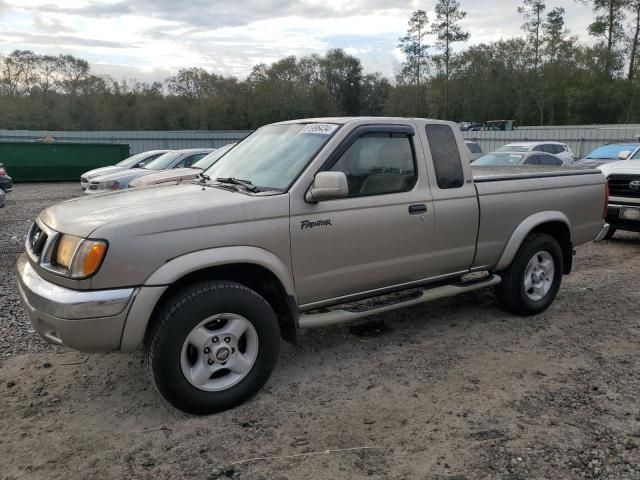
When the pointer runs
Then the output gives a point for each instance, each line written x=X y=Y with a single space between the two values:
x=203 y=178
x=238 y=181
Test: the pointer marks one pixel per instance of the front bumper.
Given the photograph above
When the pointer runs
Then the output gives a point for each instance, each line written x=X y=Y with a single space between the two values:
x=619 y=223
x=90 y=321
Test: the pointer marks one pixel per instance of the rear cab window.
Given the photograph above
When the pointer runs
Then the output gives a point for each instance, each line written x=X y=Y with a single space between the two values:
x=445 y=155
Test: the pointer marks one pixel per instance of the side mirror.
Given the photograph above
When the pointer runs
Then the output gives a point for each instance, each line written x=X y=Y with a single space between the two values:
x=624 y=155
x=141 y=164
x=328 y=186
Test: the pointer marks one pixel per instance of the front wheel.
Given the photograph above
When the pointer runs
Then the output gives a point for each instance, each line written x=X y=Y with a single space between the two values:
x=212 y=346
x=530 y=284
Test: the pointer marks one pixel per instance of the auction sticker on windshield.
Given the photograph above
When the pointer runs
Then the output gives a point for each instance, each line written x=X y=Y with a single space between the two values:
x=319 y=128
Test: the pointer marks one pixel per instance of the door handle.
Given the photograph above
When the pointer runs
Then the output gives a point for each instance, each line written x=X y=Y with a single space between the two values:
x=418 y=209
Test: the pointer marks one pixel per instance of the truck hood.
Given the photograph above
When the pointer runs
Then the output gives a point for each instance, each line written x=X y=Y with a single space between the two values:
x=151 y=210
x=622 y=167
x=165 y=176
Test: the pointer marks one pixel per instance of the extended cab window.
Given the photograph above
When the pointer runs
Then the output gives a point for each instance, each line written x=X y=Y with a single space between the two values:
x=445 y=155
x=378 y=163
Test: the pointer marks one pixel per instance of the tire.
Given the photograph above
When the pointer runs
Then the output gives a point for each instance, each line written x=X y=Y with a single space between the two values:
x=514 y=294
x=188 y=324
x=610 y=233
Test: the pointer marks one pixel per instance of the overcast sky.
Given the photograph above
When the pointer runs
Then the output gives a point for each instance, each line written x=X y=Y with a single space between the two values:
x=151 y=39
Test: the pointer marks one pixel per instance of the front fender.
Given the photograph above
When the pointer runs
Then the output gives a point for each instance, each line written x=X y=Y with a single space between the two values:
x=172 y=271
x=523 y=229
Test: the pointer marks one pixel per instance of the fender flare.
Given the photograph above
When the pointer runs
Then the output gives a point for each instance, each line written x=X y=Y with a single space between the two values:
x=523 y=229
x=178 y=267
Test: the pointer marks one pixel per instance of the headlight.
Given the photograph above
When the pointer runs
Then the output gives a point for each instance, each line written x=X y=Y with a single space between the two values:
x=79 y=257
x=110 y=185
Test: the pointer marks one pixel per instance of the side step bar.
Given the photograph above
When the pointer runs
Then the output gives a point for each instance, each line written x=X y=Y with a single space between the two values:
x=341 y=315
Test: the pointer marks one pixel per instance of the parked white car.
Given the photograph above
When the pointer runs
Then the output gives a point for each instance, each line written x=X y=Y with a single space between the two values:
x=135 y=161
x=560 y=150
x=173 y=159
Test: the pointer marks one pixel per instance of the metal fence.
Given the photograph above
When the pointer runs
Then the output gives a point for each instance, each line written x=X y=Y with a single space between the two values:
x=138 y=141
x=581 y=139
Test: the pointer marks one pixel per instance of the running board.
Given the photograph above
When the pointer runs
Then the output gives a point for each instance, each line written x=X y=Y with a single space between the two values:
x=341 y=315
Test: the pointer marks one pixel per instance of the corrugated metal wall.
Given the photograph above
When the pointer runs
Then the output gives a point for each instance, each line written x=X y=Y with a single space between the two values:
x=138 y=141
x=581 y=139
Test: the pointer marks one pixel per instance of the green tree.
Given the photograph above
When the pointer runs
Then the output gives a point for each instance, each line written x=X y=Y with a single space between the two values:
x=533 y=13
x=416 y=51
x=342 y=75
x=608 y=25
x=634 y=39
x=448 y=31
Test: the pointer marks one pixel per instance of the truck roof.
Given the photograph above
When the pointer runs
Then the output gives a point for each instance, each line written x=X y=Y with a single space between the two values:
x=345 y=120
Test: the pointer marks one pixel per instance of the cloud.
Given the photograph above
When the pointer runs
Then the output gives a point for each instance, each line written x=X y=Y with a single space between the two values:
x=155 y=38
x=213 y=15
x=94 y=9
x=48 y=24
x=57 y=40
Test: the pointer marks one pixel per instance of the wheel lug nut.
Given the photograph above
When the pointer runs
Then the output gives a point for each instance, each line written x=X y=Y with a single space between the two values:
x=207 y=350
x=210 y=362
x=215 y=339
x=227 y=339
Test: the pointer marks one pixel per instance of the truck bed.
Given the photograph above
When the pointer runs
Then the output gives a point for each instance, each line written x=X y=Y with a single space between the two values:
x=508 y=195
x=517 y=172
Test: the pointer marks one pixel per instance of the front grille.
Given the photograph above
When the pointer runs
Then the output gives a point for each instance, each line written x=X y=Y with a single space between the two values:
x=624 y=186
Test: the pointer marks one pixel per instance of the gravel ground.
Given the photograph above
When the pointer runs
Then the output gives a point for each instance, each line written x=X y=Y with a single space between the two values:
x=456 y=389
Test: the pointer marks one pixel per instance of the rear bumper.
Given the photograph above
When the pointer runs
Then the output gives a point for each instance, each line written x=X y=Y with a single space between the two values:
x=90 y=321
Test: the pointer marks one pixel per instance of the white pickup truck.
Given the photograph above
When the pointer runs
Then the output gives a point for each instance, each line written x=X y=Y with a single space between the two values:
x=623 y=180
x=303 y=224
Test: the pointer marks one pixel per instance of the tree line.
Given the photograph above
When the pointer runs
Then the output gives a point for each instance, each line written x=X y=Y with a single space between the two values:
x=545 y=76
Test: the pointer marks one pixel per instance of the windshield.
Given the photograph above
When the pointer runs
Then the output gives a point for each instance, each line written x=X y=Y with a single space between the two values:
x=513 y=148
x=213 y=157
x=133 y=160
x=610 y=152
x=635 y=156
x=499 y=159
x=163 y=161
x=274 y=155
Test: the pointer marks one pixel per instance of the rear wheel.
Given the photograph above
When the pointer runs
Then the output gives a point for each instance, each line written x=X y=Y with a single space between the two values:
x=532 y=281
x=212 y=346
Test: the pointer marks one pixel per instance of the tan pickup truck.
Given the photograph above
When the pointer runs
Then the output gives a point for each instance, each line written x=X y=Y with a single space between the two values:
x=303 y=224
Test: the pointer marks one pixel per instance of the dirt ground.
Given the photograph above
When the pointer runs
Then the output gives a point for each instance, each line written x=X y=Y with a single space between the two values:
x=456 y=389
